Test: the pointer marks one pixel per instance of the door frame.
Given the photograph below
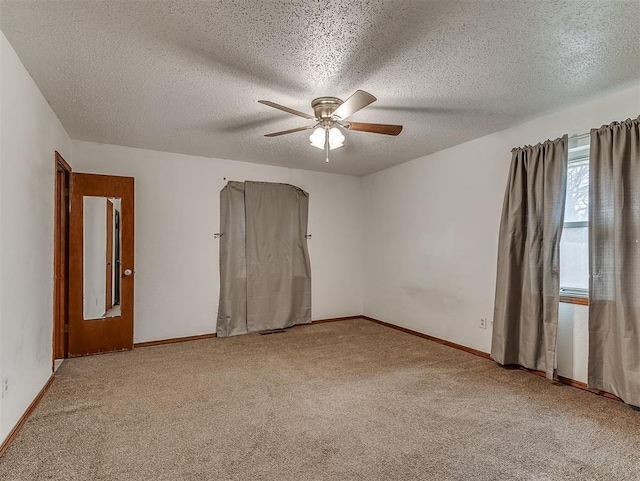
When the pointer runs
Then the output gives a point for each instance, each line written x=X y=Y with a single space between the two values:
x=108 y=302
x=61 y=258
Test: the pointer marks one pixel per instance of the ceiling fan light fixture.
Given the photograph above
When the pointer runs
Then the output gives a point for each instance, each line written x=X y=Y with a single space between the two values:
x=317 y=138
x=336 y=139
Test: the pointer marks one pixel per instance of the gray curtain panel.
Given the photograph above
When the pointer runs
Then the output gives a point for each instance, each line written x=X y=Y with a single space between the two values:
x=265 y=272
x=232 y=307
x=278 y=267
x=614 y=245
x=528 y=285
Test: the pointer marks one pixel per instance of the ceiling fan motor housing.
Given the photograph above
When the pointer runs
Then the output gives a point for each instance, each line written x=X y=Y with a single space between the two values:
x=323 y=107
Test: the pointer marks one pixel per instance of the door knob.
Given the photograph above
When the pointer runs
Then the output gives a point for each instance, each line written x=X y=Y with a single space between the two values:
x=128 y=272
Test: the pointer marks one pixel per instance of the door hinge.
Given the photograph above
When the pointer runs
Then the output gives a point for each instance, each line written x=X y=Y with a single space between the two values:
x=66 y=192
x=66 y=328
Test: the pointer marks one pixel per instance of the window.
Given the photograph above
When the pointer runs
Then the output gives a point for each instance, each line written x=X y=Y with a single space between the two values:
x=574 y=245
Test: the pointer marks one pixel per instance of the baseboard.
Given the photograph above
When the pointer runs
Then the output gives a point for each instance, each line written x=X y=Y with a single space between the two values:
x=470 y=350
x=335 y=319
x=23 y=418
x=160 y=342
x=561 y=379
x=573 y=383
x=584 y=387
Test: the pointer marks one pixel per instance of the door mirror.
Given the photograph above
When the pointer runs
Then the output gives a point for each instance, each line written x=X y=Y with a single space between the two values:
x=101 y=249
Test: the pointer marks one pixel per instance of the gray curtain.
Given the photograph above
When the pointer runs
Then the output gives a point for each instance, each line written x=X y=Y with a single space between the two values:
x=528 y=286
x=265 y=272
x=232 y=307
x=614 y=245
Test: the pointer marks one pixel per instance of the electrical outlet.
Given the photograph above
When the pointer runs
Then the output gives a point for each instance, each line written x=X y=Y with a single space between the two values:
x=483 y=323
x=5 y=386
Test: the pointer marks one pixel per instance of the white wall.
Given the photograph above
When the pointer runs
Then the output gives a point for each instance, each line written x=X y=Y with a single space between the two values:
x=29 y=134
x=573 y=341
x=430 y=232
x=177 y=213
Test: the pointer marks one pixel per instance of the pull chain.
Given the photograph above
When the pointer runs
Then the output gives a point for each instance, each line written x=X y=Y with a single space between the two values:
x=326 y=145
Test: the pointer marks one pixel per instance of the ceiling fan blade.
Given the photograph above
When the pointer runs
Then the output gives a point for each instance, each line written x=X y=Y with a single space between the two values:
x=357 y=101
x=298 y=129
x=386 y=129
x=286 y=109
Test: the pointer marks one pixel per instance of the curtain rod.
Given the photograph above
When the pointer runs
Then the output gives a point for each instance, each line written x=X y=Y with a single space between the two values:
x=572 y=137
x=579 y=136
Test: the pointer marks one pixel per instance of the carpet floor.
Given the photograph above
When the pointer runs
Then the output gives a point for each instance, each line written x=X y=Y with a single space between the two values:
x=350 y=400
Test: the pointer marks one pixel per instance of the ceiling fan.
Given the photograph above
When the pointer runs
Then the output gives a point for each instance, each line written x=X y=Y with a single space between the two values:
x=330 y=115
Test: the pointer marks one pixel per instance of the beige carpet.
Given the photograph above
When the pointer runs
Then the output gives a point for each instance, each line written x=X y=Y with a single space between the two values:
x=338 y=401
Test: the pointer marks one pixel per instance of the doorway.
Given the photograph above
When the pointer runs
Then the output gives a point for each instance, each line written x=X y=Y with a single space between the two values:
x=93 y=240
x=61 y=260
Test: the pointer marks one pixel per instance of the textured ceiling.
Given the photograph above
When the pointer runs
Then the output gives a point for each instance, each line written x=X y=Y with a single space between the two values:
x=185 y=76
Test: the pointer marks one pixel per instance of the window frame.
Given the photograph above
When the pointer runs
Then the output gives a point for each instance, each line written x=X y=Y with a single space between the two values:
x=576 y=295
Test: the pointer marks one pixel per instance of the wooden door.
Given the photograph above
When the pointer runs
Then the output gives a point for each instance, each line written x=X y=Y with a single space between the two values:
x=95 y=326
